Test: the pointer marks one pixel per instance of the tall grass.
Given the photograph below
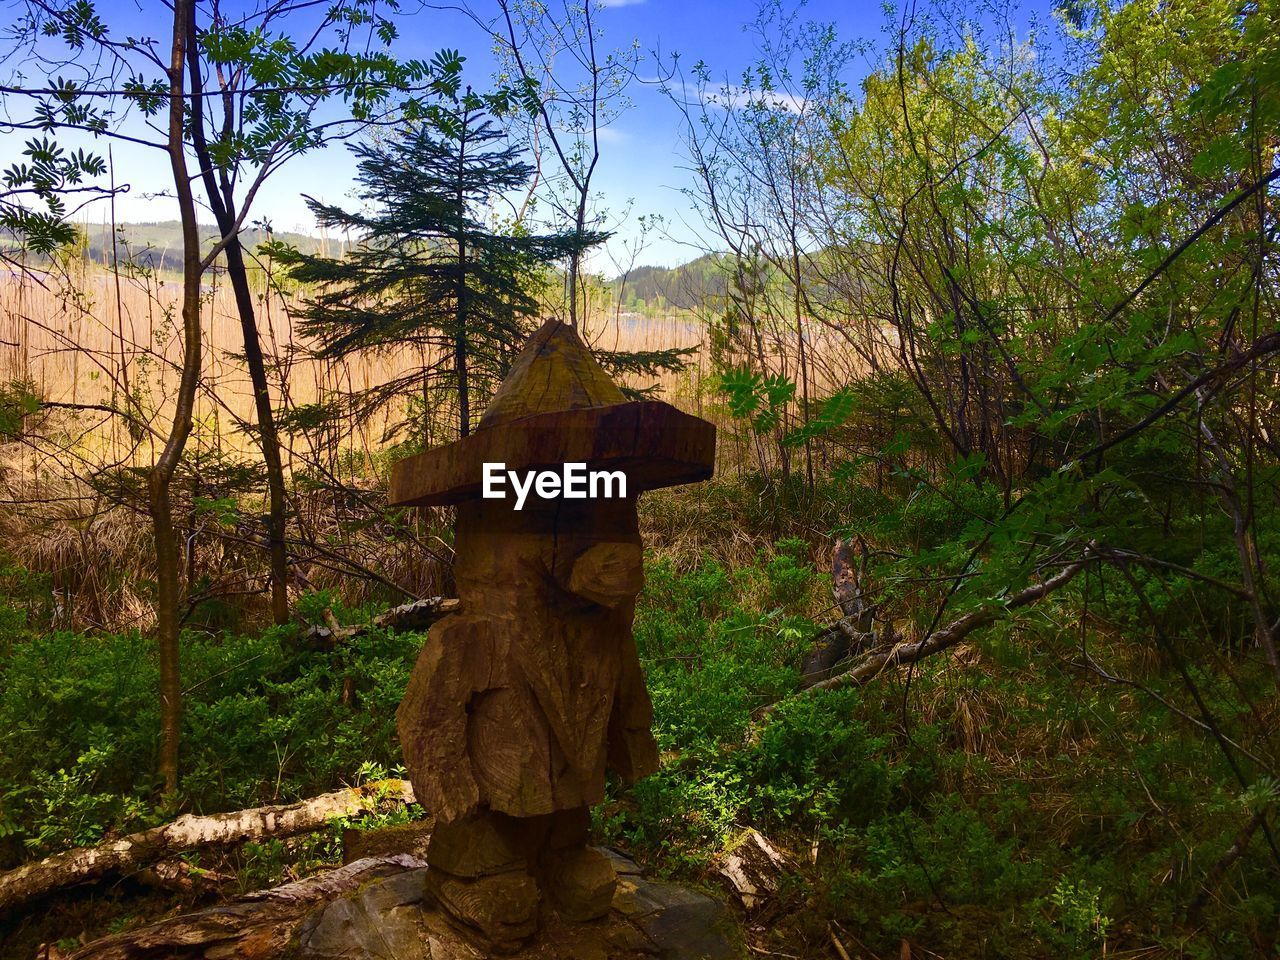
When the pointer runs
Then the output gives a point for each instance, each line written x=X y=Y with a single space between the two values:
x=100 y=348
x=86 y=336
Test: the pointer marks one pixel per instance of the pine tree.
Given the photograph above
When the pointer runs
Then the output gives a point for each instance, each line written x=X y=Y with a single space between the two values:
x=427 y=272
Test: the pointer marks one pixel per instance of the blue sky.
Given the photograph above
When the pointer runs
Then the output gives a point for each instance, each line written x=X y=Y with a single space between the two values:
x=642 y=151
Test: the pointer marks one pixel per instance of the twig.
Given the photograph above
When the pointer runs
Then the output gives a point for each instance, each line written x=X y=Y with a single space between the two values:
x=835 y=942
x=852 y=936
x=770 y=953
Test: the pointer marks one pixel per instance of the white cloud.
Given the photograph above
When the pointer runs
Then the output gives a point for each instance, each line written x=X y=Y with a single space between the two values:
x=612 y=135
x=734 y=98
x=621 y=3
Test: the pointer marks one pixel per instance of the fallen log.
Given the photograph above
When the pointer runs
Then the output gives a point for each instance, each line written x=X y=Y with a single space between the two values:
x=191 y=832
x=416 y=615
x=175 y=874
x=869 y=666
x=829 y=651
x=259 y=926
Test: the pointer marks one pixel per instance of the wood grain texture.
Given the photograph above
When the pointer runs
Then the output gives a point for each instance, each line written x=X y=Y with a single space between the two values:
x=557 y=406
x=553 y=372
x=258 y=926
x=652 y=442
x=520 y=701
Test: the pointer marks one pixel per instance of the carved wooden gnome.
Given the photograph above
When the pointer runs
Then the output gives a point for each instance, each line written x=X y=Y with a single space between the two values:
x=522 y=698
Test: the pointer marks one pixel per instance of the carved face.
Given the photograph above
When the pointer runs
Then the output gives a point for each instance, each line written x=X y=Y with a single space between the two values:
x=587 y=549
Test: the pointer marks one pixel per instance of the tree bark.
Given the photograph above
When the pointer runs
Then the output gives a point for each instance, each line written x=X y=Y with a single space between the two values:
x=276 y=508
x=161 y=477
x=853 y=632
x=1225 y=862
x=802 y=358
x=190 y=832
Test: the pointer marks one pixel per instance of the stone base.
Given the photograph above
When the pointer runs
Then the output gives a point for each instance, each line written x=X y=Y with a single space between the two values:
x=378 y=908
x=391 y=918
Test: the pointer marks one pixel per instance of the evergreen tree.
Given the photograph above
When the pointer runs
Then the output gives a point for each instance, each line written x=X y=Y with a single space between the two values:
x=427 y=271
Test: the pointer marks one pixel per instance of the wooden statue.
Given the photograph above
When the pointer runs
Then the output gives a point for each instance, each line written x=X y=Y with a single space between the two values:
x=523 y=697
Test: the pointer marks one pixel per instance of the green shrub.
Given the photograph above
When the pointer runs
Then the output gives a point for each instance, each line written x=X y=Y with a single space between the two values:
x=263 y=722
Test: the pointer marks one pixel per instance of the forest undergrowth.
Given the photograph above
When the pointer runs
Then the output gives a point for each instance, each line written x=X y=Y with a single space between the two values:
x=997 y=800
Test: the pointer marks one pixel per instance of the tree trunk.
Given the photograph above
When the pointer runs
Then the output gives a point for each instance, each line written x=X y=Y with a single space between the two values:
x=803 y=359
x=161 y=477
x=460 y=296
x=221 y=202
x=415 y=615
x=460 y=344
x=276 y=545
x=579 y=226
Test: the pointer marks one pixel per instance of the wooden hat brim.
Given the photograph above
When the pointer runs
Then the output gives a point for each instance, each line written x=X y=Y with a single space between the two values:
x=652 y=442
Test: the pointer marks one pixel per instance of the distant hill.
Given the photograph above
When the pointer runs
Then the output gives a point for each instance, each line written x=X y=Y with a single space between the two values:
x=159 y=245
x=661 y=289
x=652 y=291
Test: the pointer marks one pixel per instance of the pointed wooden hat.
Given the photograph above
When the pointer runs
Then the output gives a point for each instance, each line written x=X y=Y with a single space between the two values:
x=557 y=406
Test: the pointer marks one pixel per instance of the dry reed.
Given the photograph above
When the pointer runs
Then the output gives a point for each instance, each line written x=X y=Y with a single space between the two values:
x=100 y=348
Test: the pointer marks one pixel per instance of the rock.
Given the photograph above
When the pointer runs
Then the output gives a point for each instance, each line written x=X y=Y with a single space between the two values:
x=379 y=909
x=751 y=868
x=377 y=922
x=259 y=926
x=622 y=865
x=626 y=939
x=680 y=923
